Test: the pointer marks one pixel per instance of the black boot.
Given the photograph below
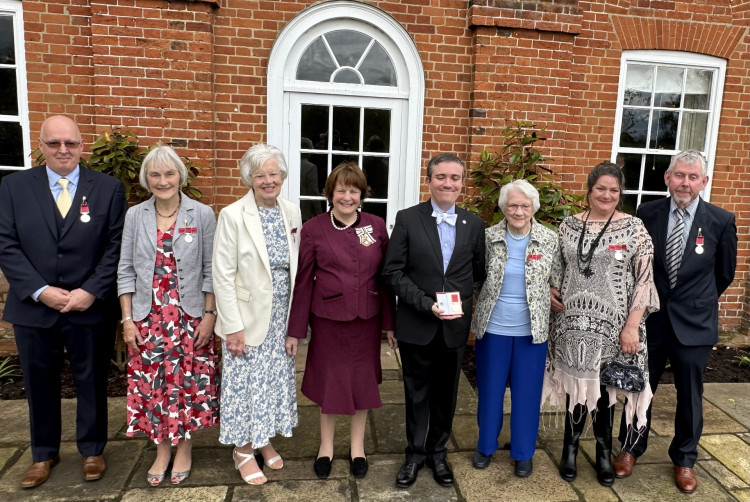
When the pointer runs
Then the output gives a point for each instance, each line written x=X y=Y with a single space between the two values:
x=574 y=424
x=605 y=473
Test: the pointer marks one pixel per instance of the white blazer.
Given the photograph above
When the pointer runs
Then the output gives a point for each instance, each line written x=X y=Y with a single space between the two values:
x=241 y=269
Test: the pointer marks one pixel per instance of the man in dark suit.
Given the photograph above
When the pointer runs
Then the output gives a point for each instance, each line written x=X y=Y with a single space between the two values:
x=59 y=248
x=695 y=255
x=435 y=247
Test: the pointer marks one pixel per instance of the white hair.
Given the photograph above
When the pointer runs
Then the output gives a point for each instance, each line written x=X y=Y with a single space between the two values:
x=522 y=186
x=162 y=156
x=254 y=159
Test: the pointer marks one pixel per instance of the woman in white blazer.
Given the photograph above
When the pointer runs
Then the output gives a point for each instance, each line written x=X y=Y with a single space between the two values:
x=166 y=297
x=255 y=263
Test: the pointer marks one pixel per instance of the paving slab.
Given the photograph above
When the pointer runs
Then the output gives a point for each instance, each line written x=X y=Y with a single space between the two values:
x=211 y=466
x=390 y=427
x=380 y=484
x=730 y=451
x=14 y=415
x=389 y=358
x=174 y=494
x=657 y=483
x=392 y=392
x=7 y=455
x=330 y=490
x=497 y=482
x=466 y=400
x=745 y=436
x=732 y=398
x=741 y=495
x=723 y=475
x=715 y=421
x=65 y=479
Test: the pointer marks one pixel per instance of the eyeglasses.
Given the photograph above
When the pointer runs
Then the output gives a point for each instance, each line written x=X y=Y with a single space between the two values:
x=55 y=144
x=515 y=207
x=261 y=177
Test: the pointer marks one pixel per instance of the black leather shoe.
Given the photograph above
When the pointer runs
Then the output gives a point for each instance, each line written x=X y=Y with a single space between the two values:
x=442 y=473
x=358 y=467
x=407 y=475
x=524 y=468
x=322 y=467
x=480 y=460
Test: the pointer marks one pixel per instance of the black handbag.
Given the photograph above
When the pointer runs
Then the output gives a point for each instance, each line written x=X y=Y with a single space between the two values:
x=622 y=376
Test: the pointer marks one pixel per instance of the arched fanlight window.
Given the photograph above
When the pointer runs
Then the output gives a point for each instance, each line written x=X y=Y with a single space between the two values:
x=347 y=57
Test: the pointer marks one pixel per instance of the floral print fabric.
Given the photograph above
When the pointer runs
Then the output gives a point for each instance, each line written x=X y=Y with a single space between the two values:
x=172 y=387
x=259 y=396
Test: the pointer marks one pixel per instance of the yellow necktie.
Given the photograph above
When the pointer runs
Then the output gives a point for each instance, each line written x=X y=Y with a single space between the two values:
x=63 y=200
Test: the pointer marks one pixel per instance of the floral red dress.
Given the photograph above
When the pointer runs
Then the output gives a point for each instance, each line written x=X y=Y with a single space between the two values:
x=172 y=387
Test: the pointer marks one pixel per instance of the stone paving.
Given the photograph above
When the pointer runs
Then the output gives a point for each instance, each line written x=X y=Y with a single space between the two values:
x=723 y=466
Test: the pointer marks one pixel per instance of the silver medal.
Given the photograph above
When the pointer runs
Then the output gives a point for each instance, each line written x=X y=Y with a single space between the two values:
x=618 y=255
x=699 y=250
x=85 y=218
x=188 y=238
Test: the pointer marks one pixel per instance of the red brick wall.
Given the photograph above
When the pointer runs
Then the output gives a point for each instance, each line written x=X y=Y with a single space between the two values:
x=193 y=74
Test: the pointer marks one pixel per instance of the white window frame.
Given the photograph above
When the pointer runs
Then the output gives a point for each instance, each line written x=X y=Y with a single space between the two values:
x=15 y=8
x=282 y=66
x=680 y=59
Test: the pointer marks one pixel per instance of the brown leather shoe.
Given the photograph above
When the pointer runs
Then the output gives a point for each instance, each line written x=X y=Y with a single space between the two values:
x=623 y=464
x=684 y=478
x=93 y=468
x=38 y=472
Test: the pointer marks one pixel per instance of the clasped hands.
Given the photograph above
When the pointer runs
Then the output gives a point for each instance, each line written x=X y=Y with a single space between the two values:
x=64 y=301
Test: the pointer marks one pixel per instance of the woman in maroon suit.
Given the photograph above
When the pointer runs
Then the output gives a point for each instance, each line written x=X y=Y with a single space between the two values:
x=339 y=293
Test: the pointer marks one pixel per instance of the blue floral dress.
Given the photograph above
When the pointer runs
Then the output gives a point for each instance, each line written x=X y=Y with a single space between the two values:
x=259 y=396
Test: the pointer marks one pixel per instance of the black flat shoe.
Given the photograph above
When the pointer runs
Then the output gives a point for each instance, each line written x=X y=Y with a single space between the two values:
x=358 y=467
x=407 y=474
x=442 y=473
x=322 y=467
x=480 y=460
x=524 y=468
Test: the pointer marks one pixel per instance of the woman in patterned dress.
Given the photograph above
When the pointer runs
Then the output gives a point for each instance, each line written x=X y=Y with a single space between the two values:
x=607 y=292
x=165 y=288
x=255 y=263
x=340 y=294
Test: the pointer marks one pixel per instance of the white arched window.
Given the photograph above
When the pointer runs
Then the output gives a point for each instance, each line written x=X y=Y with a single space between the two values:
x=345 y=82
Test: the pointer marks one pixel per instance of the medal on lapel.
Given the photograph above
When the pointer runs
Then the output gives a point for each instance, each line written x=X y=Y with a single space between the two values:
x=365 y=235
x=188 y=231
x=699 y=242
x=618 y=249
x=85 y=216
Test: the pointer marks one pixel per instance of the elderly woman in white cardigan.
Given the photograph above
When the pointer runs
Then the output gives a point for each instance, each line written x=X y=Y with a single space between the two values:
x=167 y=302
x=511 y=324
x=255 y=263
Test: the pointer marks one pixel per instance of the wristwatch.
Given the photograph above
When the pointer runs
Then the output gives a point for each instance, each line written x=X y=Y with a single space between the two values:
x=209 y=312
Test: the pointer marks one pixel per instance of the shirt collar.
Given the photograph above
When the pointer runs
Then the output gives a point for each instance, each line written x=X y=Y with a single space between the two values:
x=452 y=210
x=73 y=176
x=691 y=209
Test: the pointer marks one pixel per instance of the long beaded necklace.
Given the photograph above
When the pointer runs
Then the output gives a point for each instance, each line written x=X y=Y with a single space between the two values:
x=584 y=259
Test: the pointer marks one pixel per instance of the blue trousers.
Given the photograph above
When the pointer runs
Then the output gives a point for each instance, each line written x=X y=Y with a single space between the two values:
x=499 y=359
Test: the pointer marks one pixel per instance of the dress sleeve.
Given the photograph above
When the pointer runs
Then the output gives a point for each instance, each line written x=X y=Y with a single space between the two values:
x=645 y=295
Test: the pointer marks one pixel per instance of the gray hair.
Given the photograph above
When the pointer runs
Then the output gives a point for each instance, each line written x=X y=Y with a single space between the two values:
x=522 y=186
x=444 y=157
x=162 y=156
x=254 y=159
x=689 y=157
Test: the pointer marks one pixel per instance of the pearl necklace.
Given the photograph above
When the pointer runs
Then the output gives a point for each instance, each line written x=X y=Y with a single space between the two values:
x=333 y=222
x=519 y=238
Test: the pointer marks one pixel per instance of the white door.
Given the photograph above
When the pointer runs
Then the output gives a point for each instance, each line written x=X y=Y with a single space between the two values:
x=326 y=130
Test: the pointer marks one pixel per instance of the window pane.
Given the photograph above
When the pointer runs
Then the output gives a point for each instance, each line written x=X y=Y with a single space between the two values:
x=316 y=63
x=337 y=160
x=698 y=89
x=8 y=96
x=345 y=129
x=634 y=128
x=693 y=132
x=348 y=46
x=376 y=208
x=668 y=87
x=629 y=201
x=347 y=76
x=639 y=82
x=653 y=174
x=377 y=68
x=313 y=174
x=377 y=130
x=376 y=170
x=630 y=163
x=664 y=130
x=12 y=140
x=7 y=45
x=649 y=198
x=315 y=125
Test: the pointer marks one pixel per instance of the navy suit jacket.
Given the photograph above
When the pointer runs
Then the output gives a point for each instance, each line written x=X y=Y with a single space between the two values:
x=693 y=304
x=33 y=253
x=414 y=270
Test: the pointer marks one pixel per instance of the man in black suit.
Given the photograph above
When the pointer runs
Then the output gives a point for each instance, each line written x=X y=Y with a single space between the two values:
x=435 y=247
x=695 y=255
x=59 y=248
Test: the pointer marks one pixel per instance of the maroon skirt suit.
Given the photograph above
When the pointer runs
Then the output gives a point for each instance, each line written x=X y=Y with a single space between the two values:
x=339 y=293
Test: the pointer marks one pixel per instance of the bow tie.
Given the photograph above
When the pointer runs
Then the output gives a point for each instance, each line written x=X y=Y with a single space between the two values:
x=450 y=219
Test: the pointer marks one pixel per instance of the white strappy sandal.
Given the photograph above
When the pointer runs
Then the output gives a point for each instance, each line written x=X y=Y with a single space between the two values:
x=246 y=457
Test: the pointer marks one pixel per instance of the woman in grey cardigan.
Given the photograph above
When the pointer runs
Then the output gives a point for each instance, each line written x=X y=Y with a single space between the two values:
x=511 y=324
x=166 y=296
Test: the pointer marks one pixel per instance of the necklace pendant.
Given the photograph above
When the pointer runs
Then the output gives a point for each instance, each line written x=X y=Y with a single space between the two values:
x=587 y=272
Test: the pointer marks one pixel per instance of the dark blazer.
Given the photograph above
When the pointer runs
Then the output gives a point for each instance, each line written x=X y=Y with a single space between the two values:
x=337 y=277
x=693 y=304
x=33 y=252
x=414 y=270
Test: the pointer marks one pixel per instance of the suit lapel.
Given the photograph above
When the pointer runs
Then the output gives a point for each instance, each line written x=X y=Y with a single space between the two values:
x=149 y=216
x=252 y=223
x=184 y=218
x=698 y=222
x=430 y=228
x=45 y=201
x=462 y=234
